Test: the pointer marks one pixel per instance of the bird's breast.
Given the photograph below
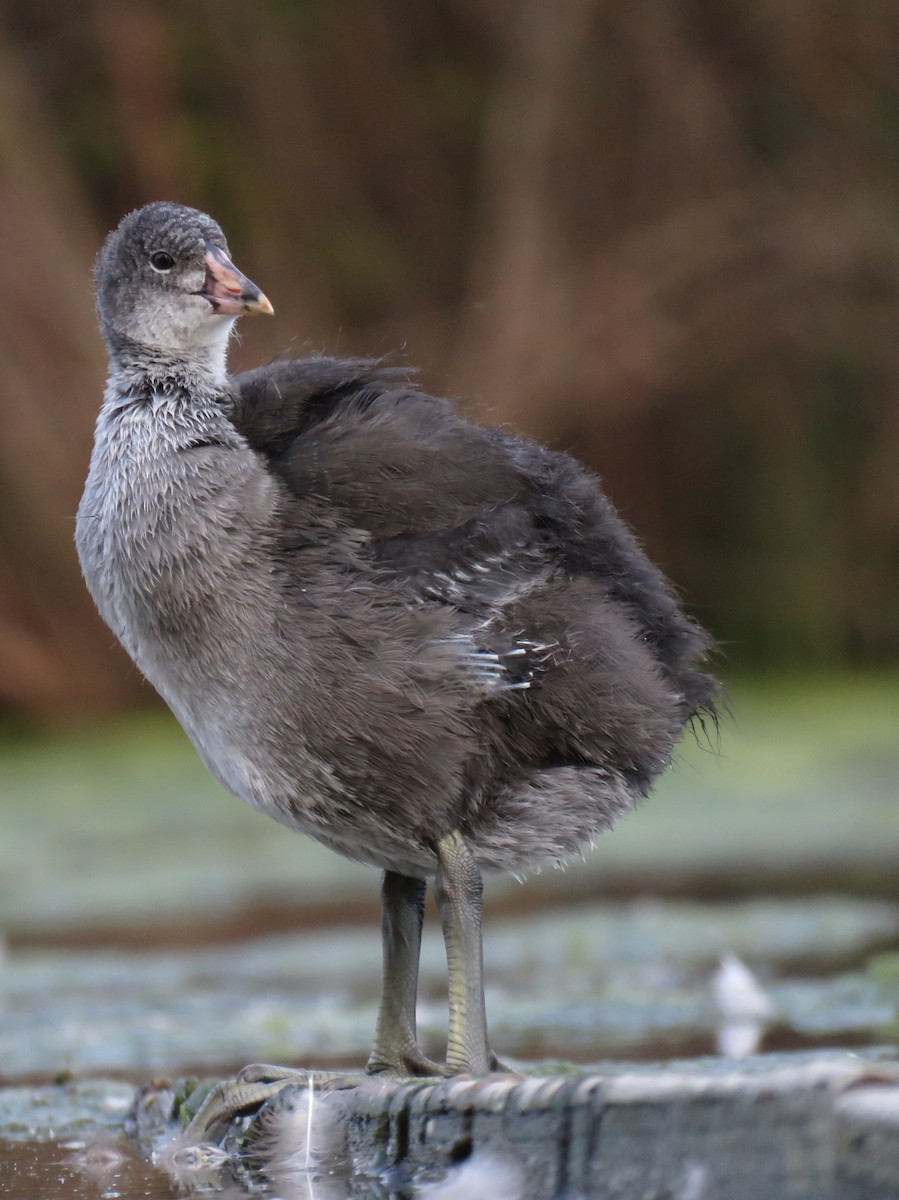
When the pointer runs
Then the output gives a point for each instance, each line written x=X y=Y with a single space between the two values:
x=170 y=534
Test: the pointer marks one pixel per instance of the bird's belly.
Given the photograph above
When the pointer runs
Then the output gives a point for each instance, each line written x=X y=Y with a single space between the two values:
x=310 y=801
x=235 y=744
x=232 y=764
x=301 y=791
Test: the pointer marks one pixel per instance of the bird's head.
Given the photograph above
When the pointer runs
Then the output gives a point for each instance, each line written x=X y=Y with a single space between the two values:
x=165 y=281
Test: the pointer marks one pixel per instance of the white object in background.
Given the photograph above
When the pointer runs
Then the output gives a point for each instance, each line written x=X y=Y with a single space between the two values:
x=744 y=1007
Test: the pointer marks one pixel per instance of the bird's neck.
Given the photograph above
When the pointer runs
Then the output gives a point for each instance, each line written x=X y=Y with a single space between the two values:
x=136 y=367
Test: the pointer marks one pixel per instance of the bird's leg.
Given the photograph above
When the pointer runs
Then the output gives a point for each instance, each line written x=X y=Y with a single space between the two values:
x=396 y=1049
x=459 y=893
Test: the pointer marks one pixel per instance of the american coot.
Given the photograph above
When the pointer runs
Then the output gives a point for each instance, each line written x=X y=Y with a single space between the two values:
x=432 y=646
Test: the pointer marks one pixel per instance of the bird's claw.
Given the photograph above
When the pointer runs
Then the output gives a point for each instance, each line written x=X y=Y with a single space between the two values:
x=250 y=1089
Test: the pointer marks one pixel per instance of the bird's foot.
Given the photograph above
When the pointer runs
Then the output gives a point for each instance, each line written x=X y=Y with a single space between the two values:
x=403 y=1064
x=250 y=1089
x=498 y=1067
x=478 y=1067
x=259 y=1082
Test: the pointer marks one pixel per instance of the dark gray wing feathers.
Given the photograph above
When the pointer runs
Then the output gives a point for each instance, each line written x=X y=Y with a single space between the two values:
x=453 y=512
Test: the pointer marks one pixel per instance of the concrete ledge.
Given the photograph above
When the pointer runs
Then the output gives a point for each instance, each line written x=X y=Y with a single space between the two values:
x=868 y=1140
x=817 y=1132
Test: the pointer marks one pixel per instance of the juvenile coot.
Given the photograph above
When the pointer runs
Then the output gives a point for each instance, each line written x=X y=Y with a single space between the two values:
x=432 y=646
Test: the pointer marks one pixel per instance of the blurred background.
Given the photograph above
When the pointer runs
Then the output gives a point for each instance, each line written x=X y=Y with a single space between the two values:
x=662 y=236
x=665 y=237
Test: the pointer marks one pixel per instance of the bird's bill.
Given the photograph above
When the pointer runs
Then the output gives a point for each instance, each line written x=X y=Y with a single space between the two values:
x=228 y=290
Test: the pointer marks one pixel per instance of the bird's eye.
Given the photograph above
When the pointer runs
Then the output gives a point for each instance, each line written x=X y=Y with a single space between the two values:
x=160 y=261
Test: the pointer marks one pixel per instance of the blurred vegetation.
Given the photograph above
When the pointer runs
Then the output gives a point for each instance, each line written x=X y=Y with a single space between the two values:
x=663 y=236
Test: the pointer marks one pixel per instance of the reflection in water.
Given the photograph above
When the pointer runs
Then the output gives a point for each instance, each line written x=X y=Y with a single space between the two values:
x=302 y=1187
x=77 y=1170
x=106 y=1170
x=192 y=1168
x=100 y=1161
x=295 y=1150
x=111 y=1171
